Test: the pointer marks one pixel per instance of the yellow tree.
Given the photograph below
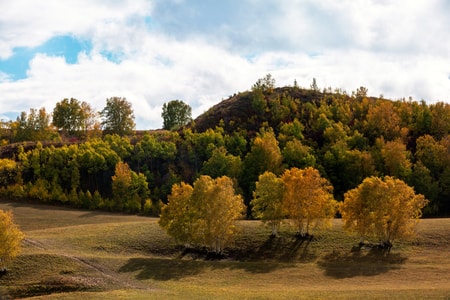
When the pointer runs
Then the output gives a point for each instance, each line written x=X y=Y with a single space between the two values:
x=267 y=203
x=265 y=155
x=10 y=239
x=204 y=214
x=130 y=189
x=176 y=216
x=383 y=120
x=218 y=207
x=386 y=209
x=121 y=183
x=396 y=158
x=308 y=198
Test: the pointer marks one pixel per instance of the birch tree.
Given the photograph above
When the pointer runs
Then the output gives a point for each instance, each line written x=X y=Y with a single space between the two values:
x=267 y=203
x=219 y=207
x=385 y=209
x=10 y=239
x=177 y=216
x=308 y=199
x=203 y=215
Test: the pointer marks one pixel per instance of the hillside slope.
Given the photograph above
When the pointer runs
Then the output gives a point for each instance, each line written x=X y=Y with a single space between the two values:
x=239 y=111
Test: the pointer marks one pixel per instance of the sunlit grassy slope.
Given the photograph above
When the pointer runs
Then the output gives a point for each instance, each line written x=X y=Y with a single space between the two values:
x=70 y=254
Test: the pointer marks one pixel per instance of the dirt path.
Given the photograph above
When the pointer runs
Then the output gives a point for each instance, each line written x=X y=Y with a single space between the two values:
x=106 y=274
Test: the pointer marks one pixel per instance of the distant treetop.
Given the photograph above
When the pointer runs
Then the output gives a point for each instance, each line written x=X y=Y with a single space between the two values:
x=175 y=114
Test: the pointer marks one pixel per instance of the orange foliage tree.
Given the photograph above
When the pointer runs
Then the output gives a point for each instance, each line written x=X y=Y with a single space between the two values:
x=386 y=209
x=10 y=239
x=308 y=198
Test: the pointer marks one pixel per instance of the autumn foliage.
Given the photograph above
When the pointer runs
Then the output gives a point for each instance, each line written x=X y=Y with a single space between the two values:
x=301 y=196
x=308 y=198
x=384 y=209
x=203 y=215
x=267 y=203
x=10 y=239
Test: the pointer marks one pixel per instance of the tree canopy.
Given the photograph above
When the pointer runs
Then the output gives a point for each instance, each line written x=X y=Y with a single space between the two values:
x=385 y=209
x=308 y=198
x=176 y=114
x=73 y=117
x=267 y=202
x=10 y=239
x=203 y=214
x=118 y=117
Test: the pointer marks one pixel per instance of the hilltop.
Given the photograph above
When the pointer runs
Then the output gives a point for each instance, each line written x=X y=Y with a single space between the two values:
x=237 y=111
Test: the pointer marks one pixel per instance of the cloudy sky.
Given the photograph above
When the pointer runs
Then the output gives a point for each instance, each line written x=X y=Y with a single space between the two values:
x=202 y=51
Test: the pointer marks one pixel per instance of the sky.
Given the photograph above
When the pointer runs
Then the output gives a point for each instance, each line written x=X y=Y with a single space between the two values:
x=203 y=51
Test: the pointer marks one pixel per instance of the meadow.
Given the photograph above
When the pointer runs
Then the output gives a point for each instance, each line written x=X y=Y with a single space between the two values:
x=73 y=254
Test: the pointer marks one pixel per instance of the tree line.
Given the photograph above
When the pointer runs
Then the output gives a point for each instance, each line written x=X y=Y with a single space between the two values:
x=71 y=119
x=346 y=137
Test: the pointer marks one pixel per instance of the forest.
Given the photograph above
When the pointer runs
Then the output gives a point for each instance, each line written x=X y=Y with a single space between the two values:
x=95 y=163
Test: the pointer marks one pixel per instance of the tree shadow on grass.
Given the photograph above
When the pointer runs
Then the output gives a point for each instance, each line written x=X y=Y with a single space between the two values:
x=283 y=249
x=162 y=269
x=275 y=253
x=360 y=263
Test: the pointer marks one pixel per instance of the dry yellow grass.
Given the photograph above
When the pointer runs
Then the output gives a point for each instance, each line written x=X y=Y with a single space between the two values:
x=71 y=254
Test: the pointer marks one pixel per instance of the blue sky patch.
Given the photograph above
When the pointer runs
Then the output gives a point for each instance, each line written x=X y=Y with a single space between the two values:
x=65 y=46
x=113 y=56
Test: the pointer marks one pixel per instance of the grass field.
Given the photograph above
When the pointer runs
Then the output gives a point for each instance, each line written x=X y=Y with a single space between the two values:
x=71 y=254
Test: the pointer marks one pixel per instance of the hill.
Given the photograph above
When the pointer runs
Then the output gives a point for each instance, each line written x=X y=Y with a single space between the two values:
x=346 y=137
x=239 y=111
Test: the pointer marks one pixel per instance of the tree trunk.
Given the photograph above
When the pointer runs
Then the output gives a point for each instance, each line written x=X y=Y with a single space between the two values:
x=274 y=230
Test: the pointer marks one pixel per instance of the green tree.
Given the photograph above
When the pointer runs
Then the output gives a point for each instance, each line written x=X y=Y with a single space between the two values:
x=140 y=193
x=396 y=159
x=386 y=209
x=432 y=154
x=34 y=126
x=8 y=172
x=267 y=202
x=262 y=86
x=222 y=164
x=70 y=116
x=308 y=199
x=347 y=168
x=118 y=117
x=265 y=84
x=265 y=155
x=361 y=92
x=120 y=145
x=176 y=114
x=291 y=131
x=297 y=155
x=426 y=185
x=130 y=190
x=440 y=124
x=10 y=239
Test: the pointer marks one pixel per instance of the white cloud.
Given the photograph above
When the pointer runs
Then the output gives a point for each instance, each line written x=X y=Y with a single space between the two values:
x=25 y=23
x=197 y=73
x=393 y=48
